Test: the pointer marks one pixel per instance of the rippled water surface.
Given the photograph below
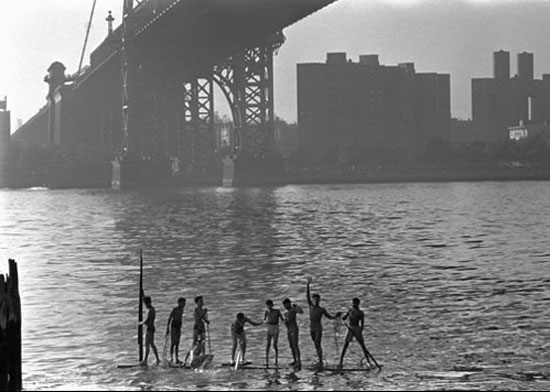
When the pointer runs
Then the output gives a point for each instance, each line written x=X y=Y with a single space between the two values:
x=454 y=281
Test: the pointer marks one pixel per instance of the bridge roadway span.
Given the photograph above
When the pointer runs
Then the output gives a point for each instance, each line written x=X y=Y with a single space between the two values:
x=193 y=34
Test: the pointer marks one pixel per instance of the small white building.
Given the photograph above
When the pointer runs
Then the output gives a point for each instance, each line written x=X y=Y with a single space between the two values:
x=522 y=130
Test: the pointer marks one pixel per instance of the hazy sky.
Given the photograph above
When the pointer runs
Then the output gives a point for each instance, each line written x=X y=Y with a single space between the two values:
x=445 y=36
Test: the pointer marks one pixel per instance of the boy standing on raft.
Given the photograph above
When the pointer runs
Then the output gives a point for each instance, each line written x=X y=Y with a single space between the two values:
x=199 y=328
x=271 y=318
x=316 y=313
x=355 y=330
x=150 y=334
x=239 y=336
x=174 y=329
x=293 y=331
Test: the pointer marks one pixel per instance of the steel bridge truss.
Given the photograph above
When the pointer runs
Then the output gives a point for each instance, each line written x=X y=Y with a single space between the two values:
x=246 y=80
x=197 y=140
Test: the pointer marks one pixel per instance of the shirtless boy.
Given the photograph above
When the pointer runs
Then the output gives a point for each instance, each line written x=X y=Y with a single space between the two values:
x=199 y=328
x=271 y=318
x=293 y=330
x=174 y=329
x=316 y=313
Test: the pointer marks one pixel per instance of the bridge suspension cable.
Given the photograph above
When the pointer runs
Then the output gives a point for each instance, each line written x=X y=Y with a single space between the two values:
x=86 y=38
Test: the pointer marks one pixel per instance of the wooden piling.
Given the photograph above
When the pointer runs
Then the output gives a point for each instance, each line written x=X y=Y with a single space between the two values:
x=10 y=331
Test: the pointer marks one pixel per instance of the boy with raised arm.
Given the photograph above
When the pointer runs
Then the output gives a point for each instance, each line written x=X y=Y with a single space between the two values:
x=293 y=330
x=271 y=318
x=173 y=328
x=316 y=313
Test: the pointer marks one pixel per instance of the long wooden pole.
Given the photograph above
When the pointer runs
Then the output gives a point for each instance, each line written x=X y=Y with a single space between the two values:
x=140 y=311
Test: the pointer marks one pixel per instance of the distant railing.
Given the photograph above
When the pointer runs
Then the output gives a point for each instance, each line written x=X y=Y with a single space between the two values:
x=146 y=12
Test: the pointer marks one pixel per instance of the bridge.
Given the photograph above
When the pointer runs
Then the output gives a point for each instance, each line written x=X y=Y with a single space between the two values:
x=148 y=95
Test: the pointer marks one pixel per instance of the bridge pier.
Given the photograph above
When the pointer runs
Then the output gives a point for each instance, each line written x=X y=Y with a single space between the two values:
x=135 y=172
x=258 y=171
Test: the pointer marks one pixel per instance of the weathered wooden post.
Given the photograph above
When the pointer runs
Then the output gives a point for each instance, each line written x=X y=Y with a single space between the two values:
x=10 y=331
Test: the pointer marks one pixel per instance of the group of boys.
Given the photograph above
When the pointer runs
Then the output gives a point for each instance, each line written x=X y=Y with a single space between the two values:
x=173 y=328
x=355 y=324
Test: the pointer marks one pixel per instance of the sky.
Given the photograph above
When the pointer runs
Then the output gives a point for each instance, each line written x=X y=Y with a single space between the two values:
x=456 y=37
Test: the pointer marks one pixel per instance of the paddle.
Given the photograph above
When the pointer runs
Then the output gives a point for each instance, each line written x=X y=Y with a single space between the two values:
x=189 y=354
x=337 y=333
x=140 y=306
x=208 y=336
x=238 y=359
x=365 y=347
x=167 y=344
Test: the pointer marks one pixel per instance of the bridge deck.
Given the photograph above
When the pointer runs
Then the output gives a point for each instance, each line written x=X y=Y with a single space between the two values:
x=183 y=32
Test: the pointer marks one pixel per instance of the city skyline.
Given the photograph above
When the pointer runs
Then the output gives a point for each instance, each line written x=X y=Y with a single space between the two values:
x=458 y=38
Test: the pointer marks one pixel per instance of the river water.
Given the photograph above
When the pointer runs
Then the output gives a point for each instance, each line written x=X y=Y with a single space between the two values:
x=454 y=280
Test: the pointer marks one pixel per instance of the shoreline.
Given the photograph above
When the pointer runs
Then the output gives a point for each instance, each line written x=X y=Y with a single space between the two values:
x=325 y=176
x=422 y=174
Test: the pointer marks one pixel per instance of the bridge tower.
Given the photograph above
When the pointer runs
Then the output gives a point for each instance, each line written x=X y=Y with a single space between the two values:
x=151 y=124
x=246 y=80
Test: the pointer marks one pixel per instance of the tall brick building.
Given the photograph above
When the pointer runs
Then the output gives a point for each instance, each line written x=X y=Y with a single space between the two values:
x=504 y=101
x=367 y=109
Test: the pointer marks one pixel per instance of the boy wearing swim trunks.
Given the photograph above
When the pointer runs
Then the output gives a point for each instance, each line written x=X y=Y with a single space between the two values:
x=150 y=334
x=239 y=336
x=293 y=331
x=199 y=328
x=271 y=318
x=174 y=329
x=355 y=330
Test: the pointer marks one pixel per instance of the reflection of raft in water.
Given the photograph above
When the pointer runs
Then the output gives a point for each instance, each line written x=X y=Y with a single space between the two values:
x=198 y=363
x=206 y=362
x=336 y=369
x=343 y=370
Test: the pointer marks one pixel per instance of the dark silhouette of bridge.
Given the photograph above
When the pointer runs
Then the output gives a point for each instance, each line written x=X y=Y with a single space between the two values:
x=148 y=95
